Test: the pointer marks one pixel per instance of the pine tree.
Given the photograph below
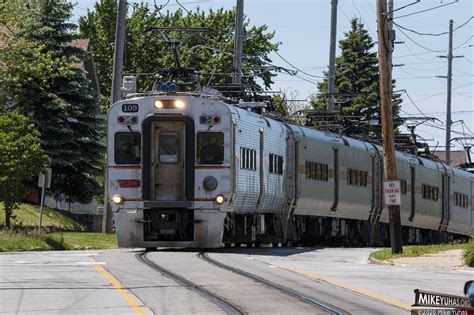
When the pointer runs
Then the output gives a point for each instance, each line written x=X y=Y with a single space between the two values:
x=65 y=108
x=357 y=82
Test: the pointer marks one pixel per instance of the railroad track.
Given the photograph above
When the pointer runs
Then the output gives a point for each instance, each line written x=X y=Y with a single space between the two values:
x=288 y=291
x=222 y=303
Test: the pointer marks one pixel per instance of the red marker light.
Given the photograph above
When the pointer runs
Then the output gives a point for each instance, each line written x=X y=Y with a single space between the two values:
x=128 y=183
x=216 y=119
x=120 y=119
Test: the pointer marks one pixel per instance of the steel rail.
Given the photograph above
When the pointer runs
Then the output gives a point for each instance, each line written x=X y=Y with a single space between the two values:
x=288 y=291
x=223 y=304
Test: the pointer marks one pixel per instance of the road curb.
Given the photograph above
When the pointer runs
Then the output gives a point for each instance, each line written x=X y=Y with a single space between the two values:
x=375 y=261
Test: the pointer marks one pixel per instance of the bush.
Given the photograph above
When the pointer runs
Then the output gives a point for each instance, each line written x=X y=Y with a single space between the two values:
x=469 y=254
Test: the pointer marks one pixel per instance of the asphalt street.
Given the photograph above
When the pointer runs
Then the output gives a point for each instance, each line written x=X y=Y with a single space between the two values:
x=65 y=282
x=115 y=282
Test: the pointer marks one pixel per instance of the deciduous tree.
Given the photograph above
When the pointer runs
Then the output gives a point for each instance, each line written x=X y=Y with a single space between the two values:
x=21 y=158
x=209 y=52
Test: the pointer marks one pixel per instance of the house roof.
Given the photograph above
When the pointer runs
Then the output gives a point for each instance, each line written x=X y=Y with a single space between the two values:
x=88 y=63
x=457 y=157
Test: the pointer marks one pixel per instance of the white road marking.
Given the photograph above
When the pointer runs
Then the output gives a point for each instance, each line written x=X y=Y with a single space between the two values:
x=47 y=264
x=464 y=270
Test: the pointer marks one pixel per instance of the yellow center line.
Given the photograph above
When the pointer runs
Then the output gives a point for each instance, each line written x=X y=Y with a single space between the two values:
x=352 y=288
x=120 y=289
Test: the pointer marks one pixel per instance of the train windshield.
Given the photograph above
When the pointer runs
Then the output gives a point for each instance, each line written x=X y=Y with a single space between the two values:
x=210 y=147
x=169 y=148
x=127 y=148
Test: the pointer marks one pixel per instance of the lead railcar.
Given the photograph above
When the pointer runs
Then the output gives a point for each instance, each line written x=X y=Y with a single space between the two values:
x=188 y=169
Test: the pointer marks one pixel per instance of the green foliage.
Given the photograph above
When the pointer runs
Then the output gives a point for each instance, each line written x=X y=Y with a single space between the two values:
x=42 y=80
x=27 y=216
x=419 y=250
x=21 y=158
x=21 y=241
x=11 y=240
x=357 y=81
x=469 y=254
x=82 y=240
x=209 y=52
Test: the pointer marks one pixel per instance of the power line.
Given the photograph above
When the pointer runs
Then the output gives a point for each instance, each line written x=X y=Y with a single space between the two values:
x=419 y=33
x=463 y=24
x=416 y=43
x=426 y=10
x=416 y=106
x=296 y=68
x=465 y=42
x=432 y=34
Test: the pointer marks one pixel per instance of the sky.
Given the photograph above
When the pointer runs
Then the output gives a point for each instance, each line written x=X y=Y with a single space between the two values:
x=302 y=27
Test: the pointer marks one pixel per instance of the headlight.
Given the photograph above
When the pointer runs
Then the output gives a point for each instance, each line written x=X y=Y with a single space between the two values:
x=158 y=104
x=220 y=199
x=179 y=104
x=210 y=183
x=117 y=199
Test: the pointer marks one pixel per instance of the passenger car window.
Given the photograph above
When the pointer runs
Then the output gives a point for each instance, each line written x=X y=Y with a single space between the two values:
x=210 y=148
x=127 y=148
x=169 y=148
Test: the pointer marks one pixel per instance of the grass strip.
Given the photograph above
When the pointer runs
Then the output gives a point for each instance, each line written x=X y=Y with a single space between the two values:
x=28 y=216
x=20 y=241
x=81 y=240
x=420 y=250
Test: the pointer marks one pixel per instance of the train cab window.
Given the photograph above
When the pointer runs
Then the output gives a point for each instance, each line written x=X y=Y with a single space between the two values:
x=210 y=148
x=169 y=148
x=127 y=148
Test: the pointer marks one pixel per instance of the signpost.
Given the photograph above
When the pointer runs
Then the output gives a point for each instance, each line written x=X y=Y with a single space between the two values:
x=44 y=181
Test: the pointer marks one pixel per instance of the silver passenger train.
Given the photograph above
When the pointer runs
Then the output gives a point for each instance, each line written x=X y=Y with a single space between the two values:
x=189 y=170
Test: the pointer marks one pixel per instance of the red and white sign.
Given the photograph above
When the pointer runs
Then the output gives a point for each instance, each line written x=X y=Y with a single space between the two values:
x=391 y=192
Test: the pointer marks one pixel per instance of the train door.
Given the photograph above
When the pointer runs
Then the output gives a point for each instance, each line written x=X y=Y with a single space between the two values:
x=412 y=192
x=446 y=207
x=377 y=183
x=336 y=179
x=261 y=169
x=168 y=160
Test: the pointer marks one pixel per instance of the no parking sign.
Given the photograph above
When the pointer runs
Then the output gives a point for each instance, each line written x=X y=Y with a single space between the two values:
x=391 y=192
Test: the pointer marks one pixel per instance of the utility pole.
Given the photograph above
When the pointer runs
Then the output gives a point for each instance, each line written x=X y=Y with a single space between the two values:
x=449 y=77
x=448 y=102
x=385 y=74
x=116 y=96
x=118 y=53
x=332 y=57
x=391 y=38
x=238 y=41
